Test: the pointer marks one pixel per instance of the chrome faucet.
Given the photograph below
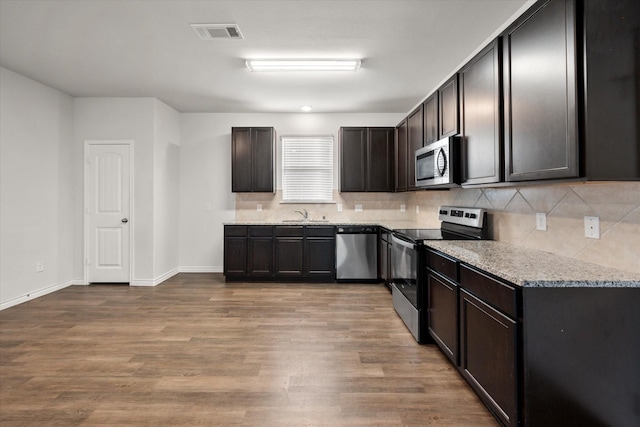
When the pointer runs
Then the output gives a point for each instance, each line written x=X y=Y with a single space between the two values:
x=305 y=214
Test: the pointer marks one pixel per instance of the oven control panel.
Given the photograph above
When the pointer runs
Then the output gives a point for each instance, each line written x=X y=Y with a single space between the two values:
x=472 y=217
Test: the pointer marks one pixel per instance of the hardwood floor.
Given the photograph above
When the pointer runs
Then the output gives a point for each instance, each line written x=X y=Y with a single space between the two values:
x=197 y=351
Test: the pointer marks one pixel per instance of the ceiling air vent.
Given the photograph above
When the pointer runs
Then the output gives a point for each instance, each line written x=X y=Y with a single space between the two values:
x=217 y=31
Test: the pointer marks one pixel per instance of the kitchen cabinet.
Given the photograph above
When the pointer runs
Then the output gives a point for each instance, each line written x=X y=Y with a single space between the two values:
x=366 y=159
x=401 y=156
x=304 y=253
x=415 y=141
x=480 y=117
x=384 y=255
x=448 y=118
x=235 y=251
x=260 y=251
x=252 y=159
x=442 y=303
x=319 y=253
x=489 y=340
x=430 y=111
x=540 y=93
x=288 y=251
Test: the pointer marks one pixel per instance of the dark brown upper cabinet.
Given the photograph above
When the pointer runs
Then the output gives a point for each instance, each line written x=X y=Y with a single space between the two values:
x=366 y=159
x=540 y=93
x=449 y=124
x=252 y=158
x=415 y=141
x=430 y=111
x=480 y=117
x=401 y=156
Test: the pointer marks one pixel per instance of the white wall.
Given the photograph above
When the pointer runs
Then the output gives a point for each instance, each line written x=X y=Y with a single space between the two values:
x=122 y=119
x=205 y=172
x=166 y=191
x=37 y=188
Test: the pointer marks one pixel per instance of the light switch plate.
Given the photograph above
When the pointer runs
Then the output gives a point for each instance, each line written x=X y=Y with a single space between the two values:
x=403 y=207
x=339 y=206
x=592 y=227
x=358 y=208
x=259 y=207
x=541 y=221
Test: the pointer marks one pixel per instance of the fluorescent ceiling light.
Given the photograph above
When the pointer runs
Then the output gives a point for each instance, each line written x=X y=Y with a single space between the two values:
x=306 y=108
x=303 y=64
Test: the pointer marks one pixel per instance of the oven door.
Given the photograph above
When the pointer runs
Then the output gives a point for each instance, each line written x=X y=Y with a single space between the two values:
x=404 y=266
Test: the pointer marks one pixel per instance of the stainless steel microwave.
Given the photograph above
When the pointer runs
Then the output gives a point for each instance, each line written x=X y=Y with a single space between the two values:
x=438 y=164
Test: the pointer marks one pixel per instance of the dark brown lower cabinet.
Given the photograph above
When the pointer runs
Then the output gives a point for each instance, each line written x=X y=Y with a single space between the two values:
x=288 y=249
x=295 y=253
x=260 y=257
x=235 y=251
x=488 y=342
x=442 y=297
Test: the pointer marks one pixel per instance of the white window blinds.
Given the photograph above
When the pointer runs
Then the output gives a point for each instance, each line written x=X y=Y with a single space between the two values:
x=307 y=169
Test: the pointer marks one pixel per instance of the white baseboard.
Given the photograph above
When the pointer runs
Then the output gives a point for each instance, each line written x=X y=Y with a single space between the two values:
x=155 y=282
x=201 y=269
x=35 y=294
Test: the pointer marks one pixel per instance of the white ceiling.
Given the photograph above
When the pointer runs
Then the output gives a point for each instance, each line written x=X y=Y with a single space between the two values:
x=147 y=48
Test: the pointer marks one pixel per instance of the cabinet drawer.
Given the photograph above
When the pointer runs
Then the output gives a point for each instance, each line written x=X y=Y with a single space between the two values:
x=494 y=292
x=289 y=231
x=442 y=264
x=260 y=231
x=235 y=230
x=322 y=231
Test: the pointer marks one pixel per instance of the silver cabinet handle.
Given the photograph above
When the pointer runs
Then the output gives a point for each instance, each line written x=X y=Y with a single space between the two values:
x=125 y=220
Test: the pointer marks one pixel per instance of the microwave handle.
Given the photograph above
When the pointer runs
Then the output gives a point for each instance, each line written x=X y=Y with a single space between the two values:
x=397 y=241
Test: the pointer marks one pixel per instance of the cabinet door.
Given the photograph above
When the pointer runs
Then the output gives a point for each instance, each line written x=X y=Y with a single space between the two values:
x=353 y=159
x=430 y=110
x=401 y=156
x=241 y=154
x=319 y=255
x=415 y=135
x=380 y=159
x=540 y=94
x=289 y=256
x=260 y=256
x=235 y=256
x=262 y=159
x=480 y=118
x=488 y=356
x=442 y=306
x=448 y=111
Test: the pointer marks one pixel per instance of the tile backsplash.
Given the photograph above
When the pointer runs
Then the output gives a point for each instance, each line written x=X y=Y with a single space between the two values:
x=512 y=215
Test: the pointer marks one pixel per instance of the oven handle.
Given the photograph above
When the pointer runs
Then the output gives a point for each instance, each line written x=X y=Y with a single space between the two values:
x=397 y=241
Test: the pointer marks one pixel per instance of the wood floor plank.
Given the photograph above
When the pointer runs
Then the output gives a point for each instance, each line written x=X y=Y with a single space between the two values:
x=198 y=351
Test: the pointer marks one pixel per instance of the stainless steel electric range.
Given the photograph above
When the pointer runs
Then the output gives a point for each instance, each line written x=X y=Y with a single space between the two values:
x=408 y=261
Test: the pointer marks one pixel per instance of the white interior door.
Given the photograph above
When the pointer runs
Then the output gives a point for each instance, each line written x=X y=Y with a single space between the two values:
x=107 y=210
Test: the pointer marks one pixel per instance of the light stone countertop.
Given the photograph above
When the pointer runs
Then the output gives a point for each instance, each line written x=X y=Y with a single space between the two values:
x=533 y=268
x=520 y=266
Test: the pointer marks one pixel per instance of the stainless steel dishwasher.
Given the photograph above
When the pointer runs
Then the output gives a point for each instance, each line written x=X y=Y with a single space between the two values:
x=357 y=253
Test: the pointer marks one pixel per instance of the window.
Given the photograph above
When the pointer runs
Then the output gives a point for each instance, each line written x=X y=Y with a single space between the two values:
x=307 y=169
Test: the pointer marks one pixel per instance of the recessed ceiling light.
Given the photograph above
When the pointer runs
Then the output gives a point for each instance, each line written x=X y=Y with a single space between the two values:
x=303 y=64
x=306 y=108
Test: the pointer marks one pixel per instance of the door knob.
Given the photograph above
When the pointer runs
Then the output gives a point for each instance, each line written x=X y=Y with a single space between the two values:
x=125 y=220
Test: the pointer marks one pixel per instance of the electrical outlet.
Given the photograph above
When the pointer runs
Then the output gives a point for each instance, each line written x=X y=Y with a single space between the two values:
x=358 y=208
x=541 y=221
x=207 y=207
x=39 y=266
x=339 y=206
x=259 y=207
x=403 y=207
x=592 y=227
